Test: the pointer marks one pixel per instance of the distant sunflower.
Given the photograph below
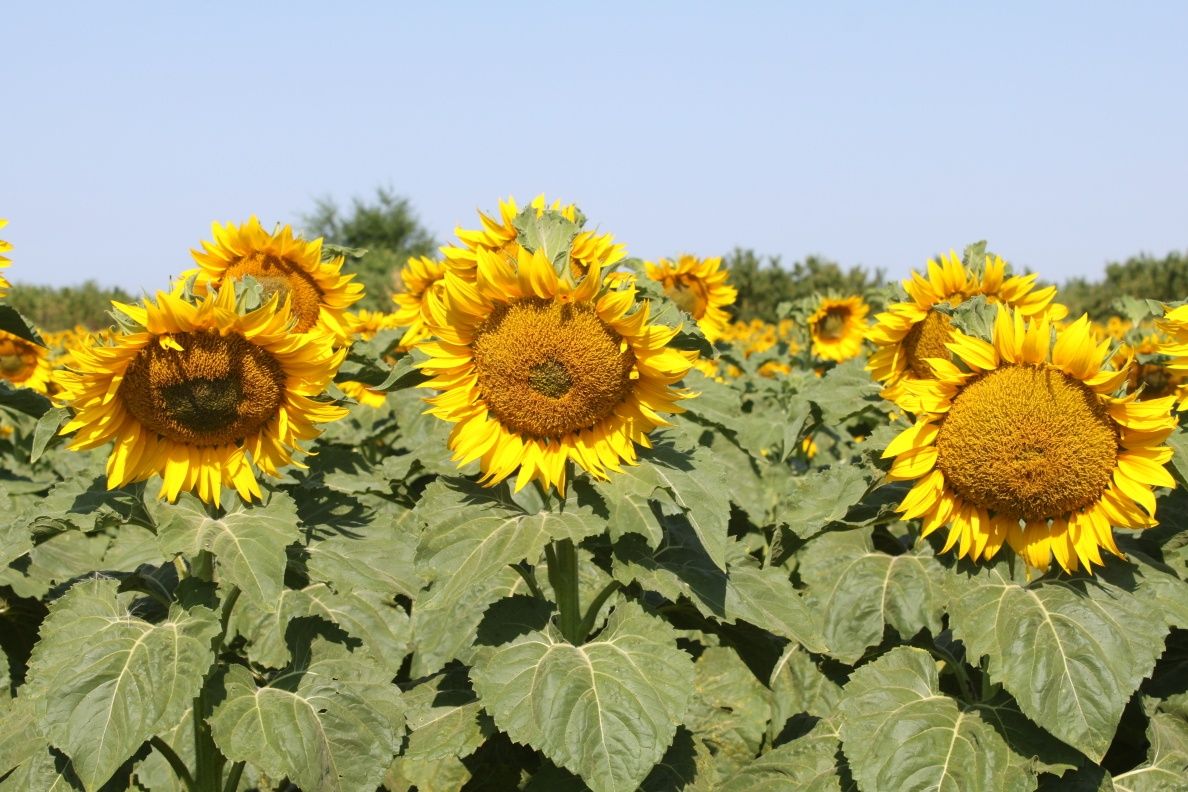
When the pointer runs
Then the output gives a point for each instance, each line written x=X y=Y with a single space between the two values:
x=499 y=235
x=699 y=287
x=24 y=364
x=838 y=328
x=198 y=390
x=1174 y=344
x=909 y=333
x=318 y=291
x=418 y=279
x=537 y=368
x=1029 y=448
x=4 y=260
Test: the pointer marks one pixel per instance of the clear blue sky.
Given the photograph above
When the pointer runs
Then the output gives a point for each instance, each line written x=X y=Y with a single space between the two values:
x=874 y=134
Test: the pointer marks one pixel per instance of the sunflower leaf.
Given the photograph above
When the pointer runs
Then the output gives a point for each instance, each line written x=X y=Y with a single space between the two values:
x=857 y=590
x=471 y=536
x=808 y=764
x=1070 y=650
x=105 y=681
x=248 y=542
x=340 y=727
x=549 y=232
x=1167 y=762
x=11 y=321
x=606 y=710
x=899 y=731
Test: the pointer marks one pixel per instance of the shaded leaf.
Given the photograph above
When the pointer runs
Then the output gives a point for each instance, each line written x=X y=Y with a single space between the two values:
x=606 y=710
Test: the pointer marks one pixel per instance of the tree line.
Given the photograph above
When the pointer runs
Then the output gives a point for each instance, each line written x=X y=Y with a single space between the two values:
x=379 y=235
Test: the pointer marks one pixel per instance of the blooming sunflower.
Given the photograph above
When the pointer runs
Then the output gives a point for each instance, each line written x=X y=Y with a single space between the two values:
x=838 y=328
x=23 y=363
x=1174 y=344
x=536 y=368
x=699 y=287
x=501 y=235
x=319 y=291
x=911 y=332
x=1029 y=448
x=195 y=390
x=4 y=260
x=417 y=279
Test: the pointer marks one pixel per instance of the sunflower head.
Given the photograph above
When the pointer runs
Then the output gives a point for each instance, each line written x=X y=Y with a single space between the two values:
x=504 y=233
x=419 y=279
x=911 y=332
x=838 y=327
x=24 y=364
x=197 y=392
x=538 y=366
x=4 y=261
x=698 y=287
x=318 y=291
x=1020 y=440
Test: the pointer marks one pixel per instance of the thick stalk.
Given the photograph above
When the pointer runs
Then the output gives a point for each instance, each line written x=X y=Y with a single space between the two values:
x=209 y=760
x=563 y=576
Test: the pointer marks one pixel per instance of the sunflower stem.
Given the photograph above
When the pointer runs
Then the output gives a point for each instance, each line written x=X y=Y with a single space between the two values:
x=563 y=576
x=209 y=760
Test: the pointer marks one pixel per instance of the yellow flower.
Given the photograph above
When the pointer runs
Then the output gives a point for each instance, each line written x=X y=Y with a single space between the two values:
x=909 y=333
x=4 y=260
x=838 y=328
x=500 y=236
x=699 y=287
x=418 y=279
x=318 y=291
x=24 y=364
x=199 y=389
x=1174 y=344
x=537 y=368
x=1027 y=447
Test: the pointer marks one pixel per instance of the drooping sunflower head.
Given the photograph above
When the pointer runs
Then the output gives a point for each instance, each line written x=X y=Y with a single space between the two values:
x=699 y=287
x=318 y=291
x=197 y=393
x=4 y=261
x=838 y=328
x=537 y=367
x=911 y=332
x=418 y=279
x=502 y=235
x=24 y=364
x=1026 y=445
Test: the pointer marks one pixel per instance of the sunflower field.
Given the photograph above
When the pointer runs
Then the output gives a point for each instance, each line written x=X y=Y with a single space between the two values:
x=554 y=521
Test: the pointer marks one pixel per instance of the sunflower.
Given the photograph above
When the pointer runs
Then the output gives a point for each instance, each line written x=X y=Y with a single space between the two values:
x=838 y=327
x=24 y=364
x=195 y=390
x=4 y=260
x=319 y=291
x=1027 y=447
x=501 y=236
x=1174 y=344
x=699 y=287
x=418 y=279
x=911 y=332
x=537 y=367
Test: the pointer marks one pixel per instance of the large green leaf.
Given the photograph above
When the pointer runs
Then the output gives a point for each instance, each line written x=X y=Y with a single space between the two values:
x=106 y=681
x=337 y=729
x=445 y=719
x=810 y=502
x=856 y=590
x=900 y=732
x=807 y=764
x=368 y=618
x=798 y=686
x=606 y=710
x=1070 y=650
x=1166 y=767
x=729 y=710
x=248 y=542
x=763 y=596
x=378 y=558
x=697 y=484
x=471 y=536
